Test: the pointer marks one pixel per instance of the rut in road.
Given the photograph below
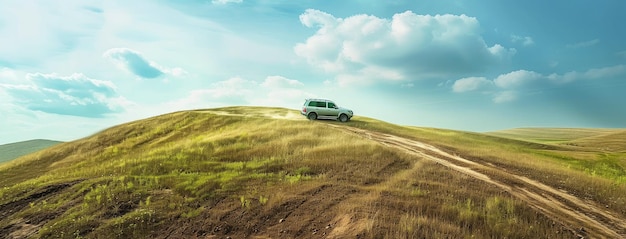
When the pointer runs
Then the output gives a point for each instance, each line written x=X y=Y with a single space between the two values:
x=572 y=212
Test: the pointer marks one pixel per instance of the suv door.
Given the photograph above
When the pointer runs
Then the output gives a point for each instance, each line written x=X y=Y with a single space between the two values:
x=332 y=109
x=321 y=106
x=317 y=106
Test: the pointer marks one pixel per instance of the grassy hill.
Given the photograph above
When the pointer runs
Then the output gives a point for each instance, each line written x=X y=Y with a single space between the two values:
x=611 y=141
x=12 y=151
x=269 y=173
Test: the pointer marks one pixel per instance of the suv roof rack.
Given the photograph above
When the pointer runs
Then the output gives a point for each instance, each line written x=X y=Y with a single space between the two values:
x=317 y=99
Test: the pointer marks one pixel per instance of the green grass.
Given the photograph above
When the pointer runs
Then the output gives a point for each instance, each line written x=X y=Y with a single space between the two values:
x=238 y=170
x=12 y=151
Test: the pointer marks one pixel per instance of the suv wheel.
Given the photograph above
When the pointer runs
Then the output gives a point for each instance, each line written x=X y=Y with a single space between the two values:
x=312 y=116
x=343 y=118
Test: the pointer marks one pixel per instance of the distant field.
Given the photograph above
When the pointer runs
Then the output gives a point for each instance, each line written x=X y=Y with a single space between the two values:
x=600 y=139
x=551 y=134
x=12 y=151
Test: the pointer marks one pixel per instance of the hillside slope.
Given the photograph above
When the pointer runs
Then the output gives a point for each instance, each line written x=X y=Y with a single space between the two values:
x=12 y=151
x=266 y=172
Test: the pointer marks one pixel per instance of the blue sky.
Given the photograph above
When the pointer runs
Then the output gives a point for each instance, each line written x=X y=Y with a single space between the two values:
x=69 y=70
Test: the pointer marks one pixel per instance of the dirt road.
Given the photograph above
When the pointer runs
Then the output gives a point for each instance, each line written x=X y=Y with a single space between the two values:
x=582 y=217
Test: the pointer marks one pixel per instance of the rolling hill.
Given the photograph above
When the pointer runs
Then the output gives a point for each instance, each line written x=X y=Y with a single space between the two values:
x=551 y=135
x=268 y=173
x=593 y=139
x=12 y=151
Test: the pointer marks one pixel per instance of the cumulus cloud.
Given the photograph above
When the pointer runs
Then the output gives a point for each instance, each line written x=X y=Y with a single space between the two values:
x=511 y=83
x=404 y=46
x=135 y=63
x=516 y=79
x=76 y=95
x=471 y=84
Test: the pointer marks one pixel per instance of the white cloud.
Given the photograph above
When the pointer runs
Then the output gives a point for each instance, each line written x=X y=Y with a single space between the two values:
x=280 y=92
x=591 y=74
x=368 y=75
x=505 y=96
x=525 y=41
x=233 y=88
x=584 y=44
x=471 y=84
x=312 y=18
x=223 y=2
x=234 y=91
x=364 y=48
x=516 y=79
x=510 y=84
x=276 y=91
x=7 y=75
x=76 y=95
x=176 y=71
x=604 y=72
x=280 y=82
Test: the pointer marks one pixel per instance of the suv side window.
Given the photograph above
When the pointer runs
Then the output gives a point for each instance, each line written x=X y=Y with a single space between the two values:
x=331 y=105
x=317 y=104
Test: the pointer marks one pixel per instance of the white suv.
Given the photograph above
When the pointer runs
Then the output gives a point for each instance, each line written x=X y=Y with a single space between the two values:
x=320 y=108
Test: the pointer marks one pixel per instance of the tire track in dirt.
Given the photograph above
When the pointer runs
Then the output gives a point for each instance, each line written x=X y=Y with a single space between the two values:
x=583 y=218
